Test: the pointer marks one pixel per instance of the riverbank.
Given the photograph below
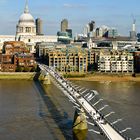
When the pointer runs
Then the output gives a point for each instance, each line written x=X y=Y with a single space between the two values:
x=81 y=77
x=102 y=78
x=17 y=75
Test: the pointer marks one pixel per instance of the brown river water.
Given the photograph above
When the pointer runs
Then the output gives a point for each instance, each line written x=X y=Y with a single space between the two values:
x=29 y=112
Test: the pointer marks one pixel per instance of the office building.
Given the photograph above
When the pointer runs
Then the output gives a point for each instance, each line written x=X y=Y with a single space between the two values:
x=70 y=59
x=116 y=62
x=69 y=31
x=86 y=30
x=112 y=33
x=133 y=31
x=101 y=31
x=39 y=28
x=91 y=26
x=64 y=25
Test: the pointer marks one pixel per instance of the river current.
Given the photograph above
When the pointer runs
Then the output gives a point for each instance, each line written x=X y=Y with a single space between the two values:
x=123 y=97
x=28 y=112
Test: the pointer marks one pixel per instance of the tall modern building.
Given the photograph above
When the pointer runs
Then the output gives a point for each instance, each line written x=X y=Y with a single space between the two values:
x=99 y=32
x=39 y=28
x=133 y=32
x=91 y=26
x=112 y=32
x=89 y=29
x=64 y=25
x=86 y=30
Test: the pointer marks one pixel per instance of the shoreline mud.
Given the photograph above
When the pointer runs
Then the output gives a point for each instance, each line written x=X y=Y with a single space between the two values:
x=112 y=78
x=17 y=75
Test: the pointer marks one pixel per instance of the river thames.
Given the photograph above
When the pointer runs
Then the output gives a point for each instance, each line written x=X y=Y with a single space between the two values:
x=29 y=112
x=123 y=97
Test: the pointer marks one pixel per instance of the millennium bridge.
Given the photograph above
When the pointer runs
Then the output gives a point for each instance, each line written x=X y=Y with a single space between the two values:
x=95 y=108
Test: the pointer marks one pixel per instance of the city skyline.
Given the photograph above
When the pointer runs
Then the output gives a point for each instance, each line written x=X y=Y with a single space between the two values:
x=113 y=13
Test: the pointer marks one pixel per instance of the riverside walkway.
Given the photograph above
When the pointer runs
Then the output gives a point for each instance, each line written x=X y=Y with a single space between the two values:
x=89 y=100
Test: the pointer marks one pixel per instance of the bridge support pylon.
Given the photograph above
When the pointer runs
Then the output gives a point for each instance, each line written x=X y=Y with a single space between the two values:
x=80 y=127
x=46 y=80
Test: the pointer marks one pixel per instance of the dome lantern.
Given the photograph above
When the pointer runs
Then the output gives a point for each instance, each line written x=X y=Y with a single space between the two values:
x=26 y=10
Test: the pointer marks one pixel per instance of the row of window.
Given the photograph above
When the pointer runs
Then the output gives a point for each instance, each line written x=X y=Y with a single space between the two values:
x=27 y=29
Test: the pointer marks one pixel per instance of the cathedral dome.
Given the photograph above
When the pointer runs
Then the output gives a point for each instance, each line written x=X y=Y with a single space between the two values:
x=26 y=17
x=26 y=24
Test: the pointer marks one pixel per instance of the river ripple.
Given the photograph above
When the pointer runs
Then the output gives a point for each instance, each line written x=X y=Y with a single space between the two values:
x=123 y=97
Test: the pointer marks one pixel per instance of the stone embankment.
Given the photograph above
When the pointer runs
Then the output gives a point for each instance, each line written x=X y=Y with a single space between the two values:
x=17 y=75
x=107 y=77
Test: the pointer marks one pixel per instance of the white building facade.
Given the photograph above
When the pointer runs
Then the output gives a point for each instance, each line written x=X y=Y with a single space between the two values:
x=116 y=63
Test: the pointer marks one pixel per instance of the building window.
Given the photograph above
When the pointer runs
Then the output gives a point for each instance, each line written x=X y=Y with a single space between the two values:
x=28 y=29
x=21 y=29
x=33 y=30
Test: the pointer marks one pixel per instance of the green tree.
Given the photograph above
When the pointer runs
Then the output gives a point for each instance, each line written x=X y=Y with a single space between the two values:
x=26 y=69
x=18 y=69
x=33 y=69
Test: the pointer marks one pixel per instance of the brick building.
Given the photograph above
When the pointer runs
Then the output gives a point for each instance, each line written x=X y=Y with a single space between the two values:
x=8 y=63
x=15 y=55
x=12 y=47
x=25 y=60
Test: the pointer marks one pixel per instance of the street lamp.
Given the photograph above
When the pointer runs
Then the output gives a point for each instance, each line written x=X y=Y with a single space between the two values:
x=97 y=102
x=86 y=95
x=109 y=114
x=97 y=132
x=91 y=97
x=118 y=120
x=84 y=91
x=103 y=107
x=77 y=87
x=81 y=89
x=128 y=128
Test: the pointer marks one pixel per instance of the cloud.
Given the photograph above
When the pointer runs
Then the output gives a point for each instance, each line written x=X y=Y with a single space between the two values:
x=79 y=6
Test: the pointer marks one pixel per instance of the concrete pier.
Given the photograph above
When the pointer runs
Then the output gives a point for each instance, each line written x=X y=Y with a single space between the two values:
x=46 y=80
x=80 y=127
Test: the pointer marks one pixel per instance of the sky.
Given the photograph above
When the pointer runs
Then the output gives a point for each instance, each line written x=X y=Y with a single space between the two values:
x=113 y=13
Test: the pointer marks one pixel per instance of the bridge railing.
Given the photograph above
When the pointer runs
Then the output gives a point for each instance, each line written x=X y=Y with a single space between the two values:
x=103 y=109
x=93 y=98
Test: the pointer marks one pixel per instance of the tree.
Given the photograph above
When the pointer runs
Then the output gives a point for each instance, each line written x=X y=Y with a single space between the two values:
x=33 y=69
x=26 y=69
x=18 y=69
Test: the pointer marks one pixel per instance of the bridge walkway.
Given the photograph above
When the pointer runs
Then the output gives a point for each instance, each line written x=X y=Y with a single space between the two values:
x=80 y=99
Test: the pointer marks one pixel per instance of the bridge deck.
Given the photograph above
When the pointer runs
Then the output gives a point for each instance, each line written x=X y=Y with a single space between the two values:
x=84 y=100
